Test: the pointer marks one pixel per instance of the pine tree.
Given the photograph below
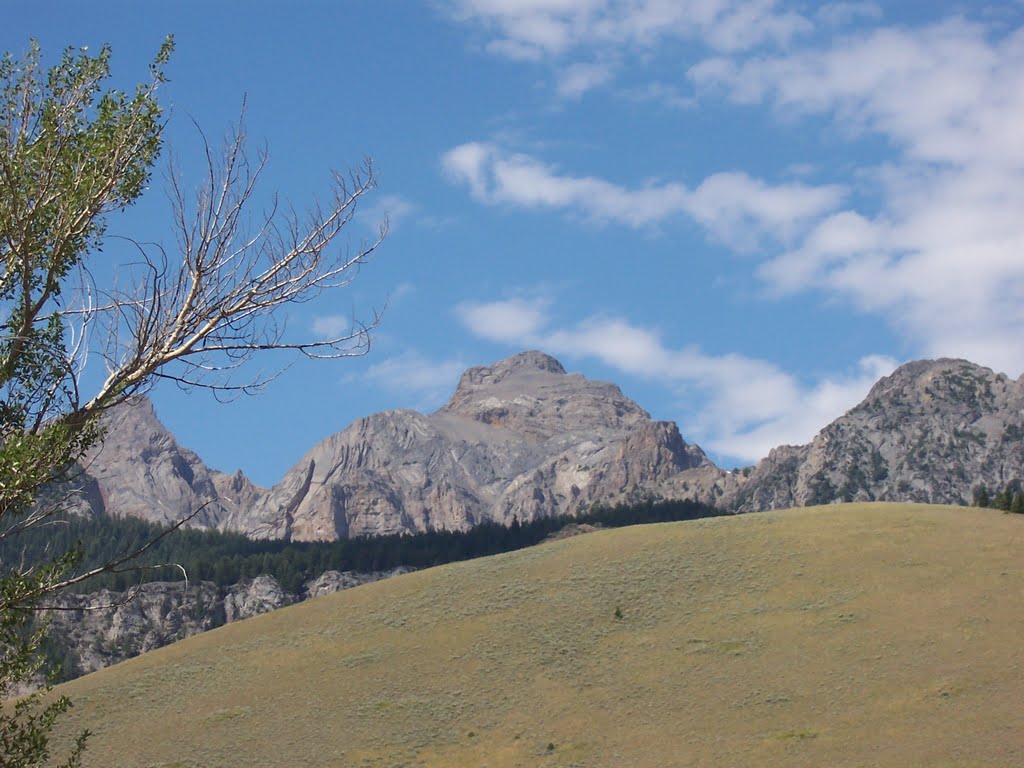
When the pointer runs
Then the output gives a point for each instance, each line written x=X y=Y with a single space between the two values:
x=981 y=497
x=1017 y=506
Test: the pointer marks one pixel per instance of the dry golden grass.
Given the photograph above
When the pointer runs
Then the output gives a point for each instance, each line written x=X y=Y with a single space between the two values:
x=860 y=635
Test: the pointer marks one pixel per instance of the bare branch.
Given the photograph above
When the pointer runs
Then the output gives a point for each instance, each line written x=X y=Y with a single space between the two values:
x=197 y=325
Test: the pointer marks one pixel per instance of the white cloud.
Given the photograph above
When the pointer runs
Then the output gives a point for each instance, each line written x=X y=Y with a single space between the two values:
x=737 y=406
x=510 y=320
x=536 y=30
x=940 y=257
x=400 y=291
x=577 y=79
x=428 y=382
x=794 y=421
x=927 y=232
x=943 y=93
x=735 y=208
x=494 y=176
x=331 y=326
x=467 y=164
x=740 y=210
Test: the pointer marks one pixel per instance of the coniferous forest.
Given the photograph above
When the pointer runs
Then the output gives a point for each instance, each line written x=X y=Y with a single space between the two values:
x=226 y=558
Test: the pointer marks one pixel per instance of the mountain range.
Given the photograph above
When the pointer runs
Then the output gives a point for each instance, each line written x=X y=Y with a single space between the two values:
x=522 y=438
x=518 y=439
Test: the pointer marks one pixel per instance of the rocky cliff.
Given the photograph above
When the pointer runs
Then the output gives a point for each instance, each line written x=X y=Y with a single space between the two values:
x=930 y=432
x=520 y=438
x=96 y=630
x=140 y=470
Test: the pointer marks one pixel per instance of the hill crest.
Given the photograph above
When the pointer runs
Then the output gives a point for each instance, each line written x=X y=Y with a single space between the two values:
x=850 y=635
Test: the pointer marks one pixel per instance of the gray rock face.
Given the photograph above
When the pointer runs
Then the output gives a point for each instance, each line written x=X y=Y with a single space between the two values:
x=141 y=471
x=521 y=438
x=253 y=597
x=930 y=432
x=334 y=581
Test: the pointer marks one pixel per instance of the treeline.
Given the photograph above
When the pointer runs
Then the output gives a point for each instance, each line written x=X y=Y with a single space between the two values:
x=226 y=558
x=1010 y=498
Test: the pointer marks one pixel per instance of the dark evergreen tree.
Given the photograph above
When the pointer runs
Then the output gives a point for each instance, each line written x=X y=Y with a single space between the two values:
x=981 y=497
x=1003 y=500
x=1017 y=506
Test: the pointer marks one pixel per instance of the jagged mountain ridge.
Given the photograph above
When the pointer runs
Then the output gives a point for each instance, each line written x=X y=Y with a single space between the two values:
x=523 y=438
x=520 y=438
x=930 y=432
x=140 y=470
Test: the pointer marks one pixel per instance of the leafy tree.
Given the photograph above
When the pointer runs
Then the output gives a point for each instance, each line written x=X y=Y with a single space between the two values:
x=71 y=152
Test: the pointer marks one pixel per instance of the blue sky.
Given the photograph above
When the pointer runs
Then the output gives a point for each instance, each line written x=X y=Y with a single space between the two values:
x=741 y=211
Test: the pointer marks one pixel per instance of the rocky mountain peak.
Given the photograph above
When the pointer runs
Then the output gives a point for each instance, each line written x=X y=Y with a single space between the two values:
x=522 y=364
x=520 y=438
x=947 y=379
x=531 y=394
x=930 y=432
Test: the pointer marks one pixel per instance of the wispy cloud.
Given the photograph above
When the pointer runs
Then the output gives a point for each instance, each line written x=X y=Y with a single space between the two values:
x=741 y=211
x=394 y=209
x=931 y=241
x=495 y=176
x=735 y=208
x=576 y=79
x=560 y=30
x=401 y=291
x=331 y=326
x=940 y=257
x=424 y=383
x=668 y=95
x=737 y=406
x=536 y=29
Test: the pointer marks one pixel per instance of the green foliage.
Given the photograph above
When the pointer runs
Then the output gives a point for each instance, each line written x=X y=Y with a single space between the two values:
x=1010 y=498
x=25 y=725
x=1017 y=505
x=1003 y=500
x=70 y=152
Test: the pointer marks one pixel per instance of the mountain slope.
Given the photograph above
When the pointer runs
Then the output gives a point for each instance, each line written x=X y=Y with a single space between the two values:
x=521 y=438
x=141 y=471
x=884 y=635
x=929 y=432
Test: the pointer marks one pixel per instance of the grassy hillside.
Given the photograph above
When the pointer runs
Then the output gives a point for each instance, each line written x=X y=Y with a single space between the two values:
x=860 y=635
